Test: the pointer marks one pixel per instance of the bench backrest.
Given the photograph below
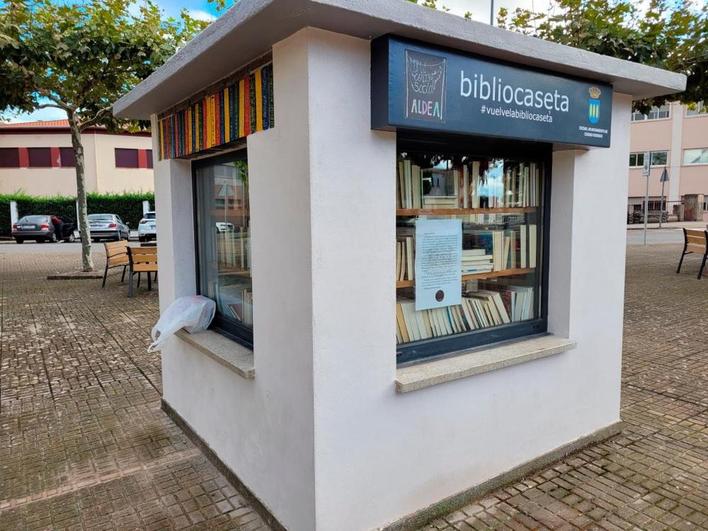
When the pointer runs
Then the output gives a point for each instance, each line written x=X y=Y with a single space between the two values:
x=143 y=259
x=116 y=253
x=696 y=240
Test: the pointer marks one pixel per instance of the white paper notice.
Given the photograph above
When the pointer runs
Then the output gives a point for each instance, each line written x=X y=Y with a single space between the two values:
x=438 y=263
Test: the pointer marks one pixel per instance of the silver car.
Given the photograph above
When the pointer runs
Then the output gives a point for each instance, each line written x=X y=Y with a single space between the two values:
x=107 y=227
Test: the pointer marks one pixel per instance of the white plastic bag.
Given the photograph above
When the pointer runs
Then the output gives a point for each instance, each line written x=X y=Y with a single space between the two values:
x=194 y=314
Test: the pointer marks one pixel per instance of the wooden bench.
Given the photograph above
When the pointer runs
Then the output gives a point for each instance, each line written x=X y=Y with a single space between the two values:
x=116 y=256
x=142 y=260
x=695 y=241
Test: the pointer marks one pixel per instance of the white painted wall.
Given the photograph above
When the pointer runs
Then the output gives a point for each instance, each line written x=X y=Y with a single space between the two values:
x=320 y=436
x=263 y=428
x=379 y=455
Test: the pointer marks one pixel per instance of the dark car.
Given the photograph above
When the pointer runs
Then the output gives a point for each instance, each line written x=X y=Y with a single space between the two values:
x=43 y=228
x=107 y=227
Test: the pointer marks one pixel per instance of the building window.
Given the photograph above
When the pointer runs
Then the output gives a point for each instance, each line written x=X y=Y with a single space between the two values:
x=39 y=157
x=695 y=156
x=223 y=242
x=659 y=158
x=636 y=160
x=9 y=158
x=497 y=202
x=698 y=109
x=656 y=113
x=66 y=157
x=148 y=157
x=126 y=158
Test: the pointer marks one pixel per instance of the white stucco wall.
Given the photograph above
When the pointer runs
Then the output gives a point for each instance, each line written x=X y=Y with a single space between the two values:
x=320 y=435
x=380 y=455
x=263 y=428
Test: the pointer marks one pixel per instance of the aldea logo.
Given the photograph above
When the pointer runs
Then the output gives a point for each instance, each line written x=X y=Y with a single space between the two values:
x=497 y=91
x=594 y=105
x=425 y=86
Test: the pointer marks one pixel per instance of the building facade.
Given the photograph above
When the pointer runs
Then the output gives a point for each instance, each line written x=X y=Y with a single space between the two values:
x=37 y=158
x=674 y=137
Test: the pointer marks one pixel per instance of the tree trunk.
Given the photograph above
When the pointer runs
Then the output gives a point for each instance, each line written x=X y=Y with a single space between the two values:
x=82 y=222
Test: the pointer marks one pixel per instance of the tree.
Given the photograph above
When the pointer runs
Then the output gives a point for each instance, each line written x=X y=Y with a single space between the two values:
x=80 y=58
x=669 y=35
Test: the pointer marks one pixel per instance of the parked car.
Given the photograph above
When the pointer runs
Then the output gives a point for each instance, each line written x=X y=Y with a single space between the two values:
x=40 y=228
x=224 y=226
x=147 y=228
x=107 y=227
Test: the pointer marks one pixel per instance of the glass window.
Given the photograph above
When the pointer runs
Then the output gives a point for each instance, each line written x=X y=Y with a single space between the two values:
x=66 y=156
x=695 y=156
x=9 y=158
x=697 y=109
x=126 y=158
x=148 y=155
x=659 y=158
x=656 y=113
x=39 y=157
x=223 y=242
x=636 y=160
x=498 y=202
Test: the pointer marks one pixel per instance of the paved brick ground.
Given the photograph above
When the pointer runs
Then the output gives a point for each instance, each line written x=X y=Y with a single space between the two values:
x=655 y=474
x=84 y=445
x=83 y=442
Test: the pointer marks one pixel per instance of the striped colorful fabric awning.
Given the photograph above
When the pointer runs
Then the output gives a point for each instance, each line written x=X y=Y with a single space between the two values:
x=243 y=106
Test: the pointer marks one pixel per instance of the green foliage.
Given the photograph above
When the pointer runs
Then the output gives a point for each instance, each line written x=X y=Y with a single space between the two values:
x=670 y=35
x=128 y=206
x=81 y=57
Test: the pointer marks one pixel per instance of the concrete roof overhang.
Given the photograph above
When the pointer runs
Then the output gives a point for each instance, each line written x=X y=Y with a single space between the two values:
x=252 y=27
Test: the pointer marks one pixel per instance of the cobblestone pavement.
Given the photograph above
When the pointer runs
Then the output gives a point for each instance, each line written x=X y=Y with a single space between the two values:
x=654 y=475
x=84 y=444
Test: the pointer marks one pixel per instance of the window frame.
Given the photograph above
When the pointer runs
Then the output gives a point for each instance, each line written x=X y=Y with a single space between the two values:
x=683 y=161
x=137 y=158
x=62 y=162
x=429 y=349
x=647 y=117
x=226 y=327
x=46 y=153
x=15 y=160
x=661 y=164
x=636 y=155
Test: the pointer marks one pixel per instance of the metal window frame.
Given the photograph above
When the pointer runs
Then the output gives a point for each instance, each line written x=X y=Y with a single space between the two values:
x=542 y=153
x=221 y=324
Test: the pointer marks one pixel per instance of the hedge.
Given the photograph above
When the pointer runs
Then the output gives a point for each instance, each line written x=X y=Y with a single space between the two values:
x=128 y=206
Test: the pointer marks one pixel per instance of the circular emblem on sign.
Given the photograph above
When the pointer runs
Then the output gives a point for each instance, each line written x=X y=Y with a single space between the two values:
x=439 y=295
x=594 y=92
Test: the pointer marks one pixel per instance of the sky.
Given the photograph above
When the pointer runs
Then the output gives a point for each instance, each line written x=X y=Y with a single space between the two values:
x=203 y=10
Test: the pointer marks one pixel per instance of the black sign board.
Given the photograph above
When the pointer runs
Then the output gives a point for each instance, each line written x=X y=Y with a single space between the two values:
x=414 y=86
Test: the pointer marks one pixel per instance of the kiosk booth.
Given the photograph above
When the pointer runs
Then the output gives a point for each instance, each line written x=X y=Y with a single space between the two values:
x=413 y=227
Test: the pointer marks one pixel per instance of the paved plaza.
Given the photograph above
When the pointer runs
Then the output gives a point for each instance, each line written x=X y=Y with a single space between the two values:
x=84 y=444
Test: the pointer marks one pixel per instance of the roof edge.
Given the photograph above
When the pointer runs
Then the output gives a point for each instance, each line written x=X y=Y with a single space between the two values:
x=251 y=27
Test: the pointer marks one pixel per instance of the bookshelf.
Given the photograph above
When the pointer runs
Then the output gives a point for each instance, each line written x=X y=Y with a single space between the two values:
x=410 y=212
x=476 y=276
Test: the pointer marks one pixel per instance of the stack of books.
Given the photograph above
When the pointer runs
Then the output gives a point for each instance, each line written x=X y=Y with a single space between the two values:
x=474 y=184
x=409 y=189
x=509 y=248
x=480 y=309
x=405 y=262
x=476 y=261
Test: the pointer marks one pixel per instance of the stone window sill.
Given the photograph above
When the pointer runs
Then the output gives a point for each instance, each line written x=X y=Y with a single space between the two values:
x=223 y=350
x=478 y=361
